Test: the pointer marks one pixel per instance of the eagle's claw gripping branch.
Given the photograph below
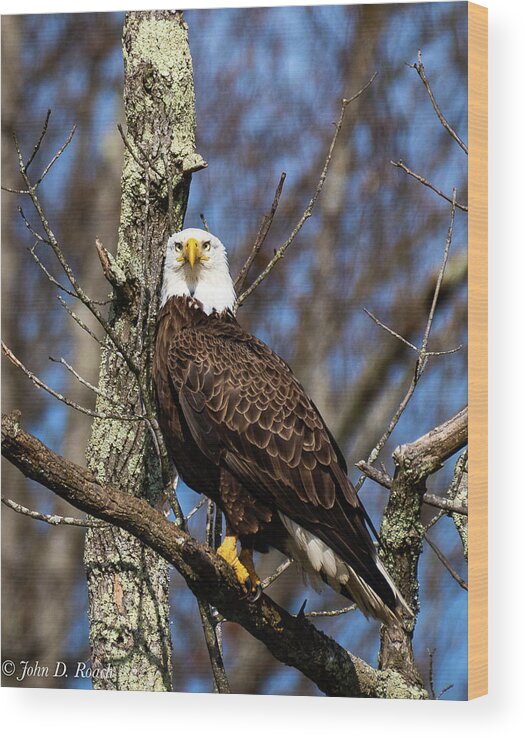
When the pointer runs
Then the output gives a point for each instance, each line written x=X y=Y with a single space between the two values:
x=242 y=566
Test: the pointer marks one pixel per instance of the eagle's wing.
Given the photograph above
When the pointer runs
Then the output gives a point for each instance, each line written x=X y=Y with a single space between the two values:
x=248 y=413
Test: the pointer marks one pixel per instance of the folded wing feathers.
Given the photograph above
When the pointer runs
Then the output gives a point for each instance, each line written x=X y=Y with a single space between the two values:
x=272 y=433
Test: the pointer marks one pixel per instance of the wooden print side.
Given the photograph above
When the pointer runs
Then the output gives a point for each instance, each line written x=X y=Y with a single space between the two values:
x=478 y=342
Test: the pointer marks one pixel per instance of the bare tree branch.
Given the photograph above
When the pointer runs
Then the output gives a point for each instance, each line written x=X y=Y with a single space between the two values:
x=294 y=641
x=422 y=359
x=30 y=228
x=83 y=325
x=197 y=507
x=211 y=625
x=48 y=274
x=53 y=242
x=83 y=381
x=401 y=165
x=276 y=574
x=439 y=280
x=265 y=226
x=408 y=343
x=446 y=563
x=280 y=252
x=420 y=69
x=441 y=502
x=222 y=685
x=390 y=330
x=62 y=398
x=55 y=158
x=330 y=613
x=50 y=519
x=40 y=139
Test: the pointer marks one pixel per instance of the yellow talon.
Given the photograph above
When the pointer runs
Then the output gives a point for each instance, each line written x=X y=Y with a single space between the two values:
x=228 y=551
x=246 y=558
x=242 y=565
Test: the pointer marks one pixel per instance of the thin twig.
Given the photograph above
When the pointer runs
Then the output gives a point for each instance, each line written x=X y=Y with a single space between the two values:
x=83 y=381
x=431 y=673
x=170 y=486
x=439 y=280
x=280 y=252
x=439 y=501
x=420 y=69
x=220 y=678
x=39 y=142
x=266 y=224
x=30 y=227
x=53 y=242
x=51 y=519
x=445 y=689
x=209 y=524
x=401 y=165
x=408 y=343
x=48 y=274
x=58 y=396
x=197 y=507
x=374 y=474
x=277 y=573
x=55 y=157
x=446 y=563
x=14 y=191
x=204 y=222
x=431 y=523
x=55 y=281
x=330 y=613
x=389 y=330
x=32 y=187
x=210 y=625
x=79 y=321
x=422 y=359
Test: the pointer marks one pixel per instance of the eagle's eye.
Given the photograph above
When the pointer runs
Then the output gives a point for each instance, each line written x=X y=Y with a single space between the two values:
x=206 y=246
x=178 y=247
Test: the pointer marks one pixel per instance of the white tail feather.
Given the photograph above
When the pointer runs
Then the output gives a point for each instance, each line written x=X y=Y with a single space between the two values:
x=316 y=558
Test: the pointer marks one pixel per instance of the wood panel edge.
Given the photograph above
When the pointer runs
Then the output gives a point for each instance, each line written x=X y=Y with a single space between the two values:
x=478 y=350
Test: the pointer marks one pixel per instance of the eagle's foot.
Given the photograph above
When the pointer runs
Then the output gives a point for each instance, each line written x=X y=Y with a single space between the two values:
x=242 y=566
x=254 y=582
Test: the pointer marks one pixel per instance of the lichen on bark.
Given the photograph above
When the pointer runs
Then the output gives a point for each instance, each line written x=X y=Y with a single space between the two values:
x=128 y=582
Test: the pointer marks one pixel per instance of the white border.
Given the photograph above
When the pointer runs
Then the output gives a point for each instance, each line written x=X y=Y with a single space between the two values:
x=57 y=713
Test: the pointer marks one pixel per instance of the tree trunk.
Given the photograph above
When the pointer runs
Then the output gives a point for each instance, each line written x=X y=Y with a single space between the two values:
x=128 y=582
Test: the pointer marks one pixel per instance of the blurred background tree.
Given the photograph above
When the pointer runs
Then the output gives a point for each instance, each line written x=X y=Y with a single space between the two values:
x=268 y=84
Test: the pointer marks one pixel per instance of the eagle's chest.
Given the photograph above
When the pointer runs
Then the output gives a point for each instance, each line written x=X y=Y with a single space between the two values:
x=192 y=465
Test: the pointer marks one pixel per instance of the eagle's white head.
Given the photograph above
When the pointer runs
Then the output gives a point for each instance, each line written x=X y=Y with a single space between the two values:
x=196 y=265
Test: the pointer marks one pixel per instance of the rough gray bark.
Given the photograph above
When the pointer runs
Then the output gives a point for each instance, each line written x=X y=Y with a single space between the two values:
x=402 y=531
x=128 y=582
x=458 y=495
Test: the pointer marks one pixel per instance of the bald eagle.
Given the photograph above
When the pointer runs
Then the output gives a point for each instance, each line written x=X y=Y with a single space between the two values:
x=241 y=429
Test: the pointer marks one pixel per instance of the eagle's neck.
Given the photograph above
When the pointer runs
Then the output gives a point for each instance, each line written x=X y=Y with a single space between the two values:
x=213 y=288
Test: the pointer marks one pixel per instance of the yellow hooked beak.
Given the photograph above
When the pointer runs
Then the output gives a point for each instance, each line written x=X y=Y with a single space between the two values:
x=192 y=250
